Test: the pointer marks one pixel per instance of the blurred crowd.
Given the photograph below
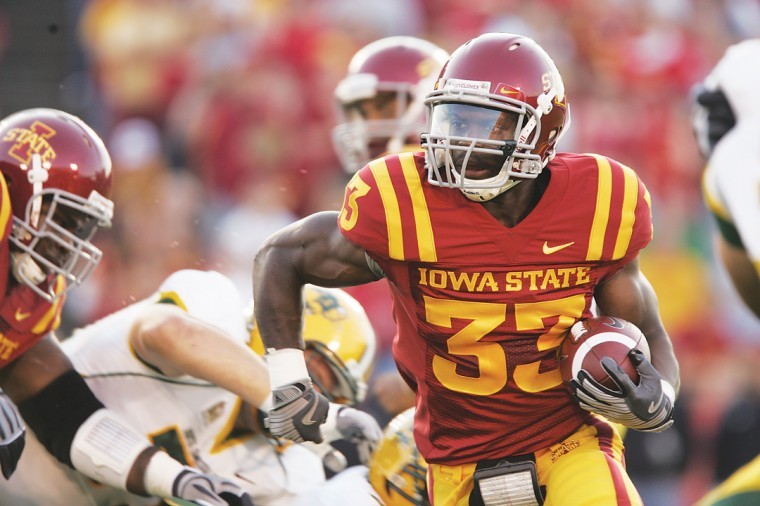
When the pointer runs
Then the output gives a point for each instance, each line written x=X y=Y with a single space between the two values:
x=218 y=115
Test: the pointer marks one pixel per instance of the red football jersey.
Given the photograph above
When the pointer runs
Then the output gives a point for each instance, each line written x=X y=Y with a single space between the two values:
x=481 y=308
x=25 y=317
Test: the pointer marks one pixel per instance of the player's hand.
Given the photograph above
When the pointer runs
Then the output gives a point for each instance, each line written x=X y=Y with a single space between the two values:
x=645 y=407
x=297 y=412
x=12 y=436
x=712 y=117
x=359 y=428
x=208 y=490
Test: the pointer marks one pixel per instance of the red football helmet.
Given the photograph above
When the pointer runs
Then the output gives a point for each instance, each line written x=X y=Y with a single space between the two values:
x=499 y=105
x=380 y=101
x=57 y=176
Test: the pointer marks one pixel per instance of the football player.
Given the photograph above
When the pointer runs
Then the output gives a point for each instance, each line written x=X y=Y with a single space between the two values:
x=54 y=195
x=179 y=367
x=726 y=118
x=726 y=121
x=397 y=470
x=379 y=102
x=494 y=245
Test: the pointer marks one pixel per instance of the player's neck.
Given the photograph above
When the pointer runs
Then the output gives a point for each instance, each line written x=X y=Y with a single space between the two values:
x=512 y=206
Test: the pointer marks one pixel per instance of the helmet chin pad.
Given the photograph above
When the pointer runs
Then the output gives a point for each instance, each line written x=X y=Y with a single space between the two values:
x=486 y=194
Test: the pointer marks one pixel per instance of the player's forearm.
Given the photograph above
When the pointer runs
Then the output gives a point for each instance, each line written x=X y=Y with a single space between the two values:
x=312 y=250
x=181 y=345
x=277 y=289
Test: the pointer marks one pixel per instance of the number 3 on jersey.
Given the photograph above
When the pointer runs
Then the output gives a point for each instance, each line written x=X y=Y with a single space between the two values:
x=350 y=212
x=492 y=359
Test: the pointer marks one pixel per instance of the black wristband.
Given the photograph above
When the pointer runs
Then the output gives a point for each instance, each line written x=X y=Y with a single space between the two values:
x=56 y=412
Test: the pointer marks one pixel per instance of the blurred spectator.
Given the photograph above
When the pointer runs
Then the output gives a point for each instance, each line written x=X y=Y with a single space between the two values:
x=736 y=442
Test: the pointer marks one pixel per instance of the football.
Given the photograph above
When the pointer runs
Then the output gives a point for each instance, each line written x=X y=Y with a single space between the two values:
x=587 y=341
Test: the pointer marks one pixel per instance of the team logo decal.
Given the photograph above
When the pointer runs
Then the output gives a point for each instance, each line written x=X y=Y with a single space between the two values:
x=31 y=141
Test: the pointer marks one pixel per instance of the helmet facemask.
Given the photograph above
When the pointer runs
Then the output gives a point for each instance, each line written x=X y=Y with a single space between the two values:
x=54 y=239
x=374 y=119
x=472 y=136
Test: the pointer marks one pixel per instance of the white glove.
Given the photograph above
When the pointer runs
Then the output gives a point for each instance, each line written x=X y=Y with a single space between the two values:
x=208 y=490
x=12 y=436
x=646 y=407
x=354 y=426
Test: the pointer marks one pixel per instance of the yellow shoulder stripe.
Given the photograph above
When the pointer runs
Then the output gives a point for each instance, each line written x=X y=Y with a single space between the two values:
x=628 y=218
x=602 y=211
x=423 y=226
x=390 y=205
x=425 y=238
x=54 y=311
x=5 y=205
x=712 y=203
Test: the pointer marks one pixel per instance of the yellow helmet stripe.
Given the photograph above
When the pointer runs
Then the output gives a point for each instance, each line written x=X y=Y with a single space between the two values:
x=602 y=211
x=628 y=218
x=390 y=205
x=425 y=237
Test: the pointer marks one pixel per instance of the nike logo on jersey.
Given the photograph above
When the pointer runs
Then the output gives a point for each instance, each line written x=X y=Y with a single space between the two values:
x=308 y=418
x=20 y=315
x=548 y=250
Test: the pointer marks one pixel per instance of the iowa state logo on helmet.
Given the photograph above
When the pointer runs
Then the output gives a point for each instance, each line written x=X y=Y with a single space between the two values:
x=31 y=141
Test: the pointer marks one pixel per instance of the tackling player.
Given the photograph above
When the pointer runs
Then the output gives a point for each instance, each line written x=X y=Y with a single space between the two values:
x=726 y=124
x=493 y=245
x=54 y=195
x=179 y=367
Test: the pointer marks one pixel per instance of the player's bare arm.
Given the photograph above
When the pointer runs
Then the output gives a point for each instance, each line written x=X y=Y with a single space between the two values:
x=630 y=296
x=311 y=250
x=648 y=404
x=168 y=338
x=34 y=370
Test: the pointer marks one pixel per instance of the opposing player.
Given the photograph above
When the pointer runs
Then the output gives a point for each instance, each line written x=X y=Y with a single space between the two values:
x=179 y=368
x=397 y=470
x=726 y=123
x=728 y=97
x=493 y=245
x=54 y=194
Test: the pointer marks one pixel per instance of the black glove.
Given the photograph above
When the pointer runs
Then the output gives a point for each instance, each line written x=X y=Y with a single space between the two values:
x=12 y=436
x=208 y=490
x=644 y=407
x=297 y=412
x=712 y=117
